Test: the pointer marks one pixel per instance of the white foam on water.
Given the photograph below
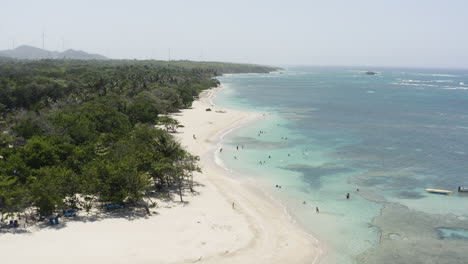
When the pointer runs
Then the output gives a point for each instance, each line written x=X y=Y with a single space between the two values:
x=455 y=88
x=435 y=74
x=414 y=84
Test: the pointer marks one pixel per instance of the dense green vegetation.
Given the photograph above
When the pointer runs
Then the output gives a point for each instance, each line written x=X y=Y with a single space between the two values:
x=78 y=133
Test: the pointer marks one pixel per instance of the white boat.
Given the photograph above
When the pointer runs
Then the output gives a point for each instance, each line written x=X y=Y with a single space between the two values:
x=462 y=189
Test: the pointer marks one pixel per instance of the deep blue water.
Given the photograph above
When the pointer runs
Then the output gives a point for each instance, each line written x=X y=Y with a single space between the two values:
x=390 y=135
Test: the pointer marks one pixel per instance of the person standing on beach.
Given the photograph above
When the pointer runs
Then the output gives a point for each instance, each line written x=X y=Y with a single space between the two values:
x=317 y=210
x=237 y=147
x=194 y=137
x=347 y=196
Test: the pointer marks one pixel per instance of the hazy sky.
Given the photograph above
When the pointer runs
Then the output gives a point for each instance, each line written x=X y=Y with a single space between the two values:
x=316 y=32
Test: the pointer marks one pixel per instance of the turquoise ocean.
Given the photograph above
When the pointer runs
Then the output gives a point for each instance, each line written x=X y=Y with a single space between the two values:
x=383 y=139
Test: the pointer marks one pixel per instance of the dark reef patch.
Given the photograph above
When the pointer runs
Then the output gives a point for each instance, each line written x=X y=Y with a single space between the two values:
x=312 y=175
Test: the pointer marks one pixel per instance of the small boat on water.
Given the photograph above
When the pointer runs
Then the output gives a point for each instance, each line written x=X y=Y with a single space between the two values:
x=462 y=189
x=438 y=191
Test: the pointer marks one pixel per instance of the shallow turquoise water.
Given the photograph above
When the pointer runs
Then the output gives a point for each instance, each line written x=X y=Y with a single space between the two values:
x=330 y=131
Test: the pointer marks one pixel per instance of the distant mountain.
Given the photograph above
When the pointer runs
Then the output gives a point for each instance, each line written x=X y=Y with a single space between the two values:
x=80 y=55
x=32 y=53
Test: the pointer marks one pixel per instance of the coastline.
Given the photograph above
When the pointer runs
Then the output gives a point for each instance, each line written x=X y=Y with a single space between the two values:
x=226 y=221
x=275 y=232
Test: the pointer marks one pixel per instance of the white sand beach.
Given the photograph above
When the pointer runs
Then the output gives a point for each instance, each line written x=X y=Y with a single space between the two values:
x=226 y=222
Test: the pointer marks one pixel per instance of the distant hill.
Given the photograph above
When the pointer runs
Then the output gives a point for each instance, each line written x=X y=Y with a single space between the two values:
x=80 y=55
x=25 y=52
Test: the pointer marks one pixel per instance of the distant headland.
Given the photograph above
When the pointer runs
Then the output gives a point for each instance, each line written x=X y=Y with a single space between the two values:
x=26 y=52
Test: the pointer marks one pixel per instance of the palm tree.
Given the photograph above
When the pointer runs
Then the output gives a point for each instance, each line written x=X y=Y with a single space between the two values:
x=167 y=146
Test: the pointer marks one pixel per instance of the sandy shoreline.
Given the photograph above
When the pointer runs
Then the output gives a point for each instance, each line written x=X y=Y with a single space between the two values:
x=226 y=222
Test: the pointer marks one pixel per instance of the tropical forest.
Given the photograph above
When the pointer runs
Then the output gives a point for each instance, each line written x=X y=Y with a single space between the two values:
x=80 y=134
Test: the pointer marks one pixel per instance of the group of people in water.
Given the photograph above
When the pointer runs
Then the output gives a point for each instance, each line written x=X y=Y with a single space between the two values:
x=316 y=208
x=348 y=196
x=263 y=162
x=242 y=147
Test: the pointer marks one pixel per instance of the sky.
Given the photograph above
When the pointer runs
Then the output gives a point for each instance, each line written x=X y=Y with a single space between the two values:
x=398 y=33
